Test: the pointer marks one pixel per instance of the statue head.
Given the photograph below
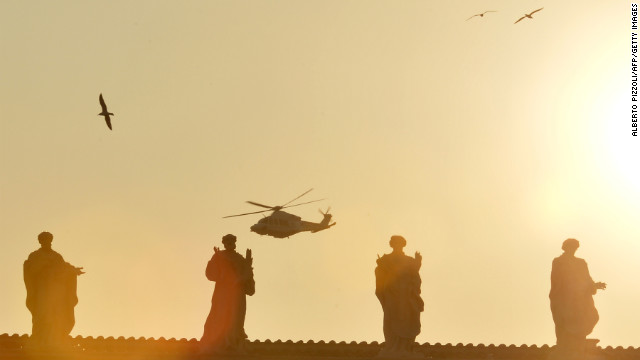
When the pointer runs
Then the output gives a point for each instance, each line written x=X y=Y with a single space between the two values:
x=570 y=246
x=45 y=238
x=397 y=242
x=229 y=241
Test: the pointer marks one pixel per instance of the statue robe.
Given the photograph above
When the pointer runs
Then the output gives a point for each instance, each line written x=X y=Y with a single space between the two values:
x=51 y=295
x=224 y=328
x=398 y=290
x=571 y=299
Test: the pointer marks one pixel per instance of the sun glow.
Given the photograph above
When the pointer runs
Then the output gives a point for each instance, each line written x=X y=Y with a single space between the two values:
x=619 y=150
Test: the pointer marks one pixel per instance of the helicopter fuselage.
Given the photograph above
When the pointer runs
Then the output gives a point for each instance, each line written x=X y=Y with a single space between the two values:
x=281 y=224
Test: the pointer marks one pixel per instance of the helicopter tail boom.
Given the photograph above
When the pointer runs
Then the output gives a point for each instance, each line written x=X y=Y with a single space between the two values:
x=315 y=227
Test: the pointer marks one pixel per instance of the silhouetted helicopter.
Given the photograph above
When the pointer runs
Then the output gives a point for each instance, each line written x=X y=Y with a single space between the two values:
x=281 y=224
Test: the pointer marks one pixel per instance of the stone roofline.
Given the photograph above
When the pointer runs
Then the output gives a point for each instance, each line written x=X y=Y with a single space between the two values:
x=15 y=344
x=4 y=336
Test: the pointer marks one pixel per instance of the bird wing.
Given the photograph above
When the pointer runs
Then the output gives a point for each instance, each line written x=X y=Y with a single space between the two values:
x=108 y=120
x=472 y=17
x=102 y=104
x=519 y=19
x=535 y=11
x=488 y=11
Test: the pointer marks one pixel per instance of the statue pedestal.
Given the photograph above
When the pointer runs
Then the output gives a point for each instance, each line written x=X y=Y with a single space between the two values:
x=588 y=350
x=387 y=354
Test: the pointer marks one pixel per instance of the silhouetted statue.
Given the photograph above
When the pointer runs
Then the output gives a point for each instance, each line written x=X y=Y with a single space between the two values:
x=233 y=274
x=398 y=289
x=51 y=293
x=571 y=297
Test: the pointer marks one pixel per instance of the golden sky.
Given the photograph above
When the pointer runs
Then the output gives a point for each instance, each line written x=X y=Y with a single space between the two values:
x=484 y=143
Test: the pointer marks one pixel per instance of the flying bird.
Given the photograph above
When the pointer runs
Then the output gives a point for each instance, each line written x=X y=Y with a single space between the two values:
x=528 y=15
x=481 y=15
x=105 y=113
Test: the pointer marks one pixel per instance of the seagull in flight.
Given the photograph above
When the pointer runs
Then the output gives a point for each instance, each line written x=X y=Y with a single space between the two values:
x=105 y=113
x=528 y=15
x=481 y=15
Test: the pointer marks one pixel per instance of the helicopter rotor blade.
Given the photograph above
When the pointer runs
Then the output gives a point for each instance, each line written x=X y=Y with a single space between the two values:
x=308 y=202
x=303 y=194
x=249 y=213
x=264 y=206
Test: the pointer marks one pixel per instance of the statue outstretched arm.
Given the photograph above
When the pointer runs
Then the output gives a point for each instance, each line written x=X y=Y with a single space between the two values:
x=79 y=270
x=248 y=257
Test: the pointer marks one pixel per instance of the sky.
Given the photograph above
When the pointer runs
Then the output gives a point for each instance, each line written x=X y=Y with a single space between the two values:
x=483 y=142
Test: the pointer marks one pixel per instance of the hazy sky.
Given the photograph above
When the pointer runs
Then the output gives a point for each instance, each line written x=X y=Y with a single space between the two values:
x=484 y=143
